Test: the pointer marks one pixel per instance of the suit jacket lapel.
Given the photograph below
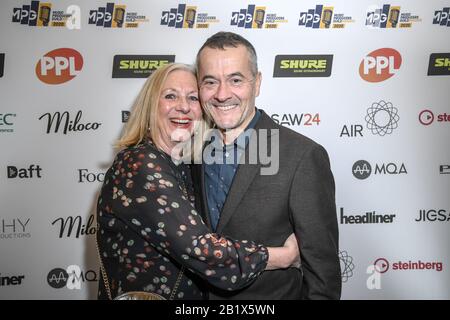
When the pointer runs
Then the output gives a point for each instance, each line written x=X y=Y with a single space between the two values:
x=244 y=176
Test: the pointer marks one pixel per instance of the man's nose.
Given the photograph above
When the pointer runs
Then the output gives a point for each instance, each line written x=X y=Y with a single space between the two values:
x=223 y=92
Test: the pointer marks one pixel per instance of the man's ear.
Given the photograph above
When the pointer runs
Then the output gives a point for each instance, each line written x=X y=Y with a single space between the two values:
x=258 y=80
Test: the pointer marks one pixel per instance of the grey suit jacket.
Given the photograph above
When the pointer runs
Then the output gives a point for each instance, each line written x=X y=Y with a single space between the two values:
x=299 y=198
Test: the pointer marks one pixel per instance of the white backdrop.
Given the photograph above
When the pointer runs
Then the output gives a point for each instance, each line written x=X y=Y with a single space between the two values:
x=49 y=178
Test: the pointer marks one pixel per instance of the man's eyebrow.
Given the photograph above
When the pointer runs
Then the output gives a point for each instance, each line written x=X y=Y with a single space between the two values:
x=207 y=76
x=234 y=74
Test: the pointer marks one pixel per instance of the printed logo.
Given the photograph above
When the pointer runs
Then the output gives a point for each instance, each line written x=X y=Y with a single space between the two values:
x=390 y=17
x=7 y=122
x=40 y=14
x=125 y=116
x=16 y=228
x=6 y=281
x=323 y=17
x=384 y=266
x=75 y=226
x=255 y=17
x=444 y=169
x=186 y=17
x=442 y=17
x=302 y=66
x=347 y=265
x=72 y=277
x=427 y=117
x=380 y=65
x=69 y=124
x=382 y=118
x=362 y=169
x=433 y=215
x=296 y=119
x=138 y=66
x=115 y=16
x=33 y=171
x=59 y=66
x=2 y=64
x=366 y=218
x=439 y=64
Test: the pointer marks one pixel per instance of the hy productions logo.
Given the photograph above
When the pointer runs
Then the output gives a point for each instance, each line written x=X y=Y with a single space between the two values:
x=59 y=66
x=323 y=17
x=389 y=17
x=41 y=14
x=115 y=16
x=380 y=65
x=256 y=17
x=442 y=17
x=187 y=17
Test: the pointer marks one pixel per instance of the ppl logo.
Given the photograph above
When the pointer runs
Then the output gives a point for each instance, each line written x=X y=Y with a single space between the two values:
x=59 y=66
x=380 y=65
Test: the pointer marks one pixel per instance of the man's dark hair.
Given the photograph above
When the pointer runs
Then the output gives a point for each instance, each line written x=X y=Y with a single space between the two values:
x=222 y=40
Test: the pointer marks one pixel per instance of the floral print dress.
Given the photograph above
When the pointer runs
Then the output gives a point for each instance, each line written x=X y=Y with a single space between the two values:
x=148 y=228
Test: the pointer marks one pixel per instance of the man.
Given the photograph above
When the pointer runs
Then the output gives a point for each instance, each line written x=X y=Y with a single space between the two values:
x=240 y=201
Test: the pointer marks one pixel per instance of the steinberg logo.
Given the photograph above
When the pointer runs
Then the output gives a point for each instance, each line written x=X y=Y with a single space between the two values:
x=383 y=265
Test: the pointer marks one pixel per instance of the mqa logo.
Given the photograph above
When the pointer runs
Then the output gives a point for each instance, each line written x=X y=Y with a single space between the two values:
x=71 y=278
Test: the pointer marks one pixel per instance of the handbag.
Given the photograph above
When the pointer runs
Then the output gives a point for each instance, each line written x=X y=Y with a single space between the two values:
x=136 y=295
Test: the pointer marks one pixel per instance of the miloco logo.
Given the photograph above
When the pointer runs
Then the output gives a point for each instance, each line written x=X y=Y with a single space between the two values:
x=69 y=125
x=69 y=224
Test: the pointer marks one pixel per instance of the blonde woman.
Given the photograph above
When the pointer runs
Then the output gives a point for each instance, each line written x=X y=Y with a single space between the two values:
x=150 y=236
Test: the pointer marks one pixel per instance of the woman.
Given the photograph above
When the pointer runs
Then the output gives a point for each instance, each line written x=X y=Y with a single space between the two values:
x=150 y=236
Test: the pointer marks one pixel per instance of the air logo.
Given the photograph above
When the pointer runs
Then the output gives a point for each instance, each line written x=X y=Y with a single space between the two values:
x=380 y=65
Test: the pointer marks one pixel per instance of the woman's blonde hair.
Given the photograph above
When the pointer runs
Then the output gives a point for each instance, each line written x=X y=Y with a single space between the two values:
x=143 y=121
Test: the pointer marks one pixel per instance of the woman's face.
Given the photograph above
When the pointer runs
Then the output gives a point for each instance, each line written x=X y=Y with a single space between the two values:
x=179 y=108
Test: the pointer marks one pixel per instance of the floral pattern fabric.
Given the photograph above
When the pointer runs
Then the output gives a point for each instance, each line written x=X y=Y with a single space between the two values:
x=148 y=227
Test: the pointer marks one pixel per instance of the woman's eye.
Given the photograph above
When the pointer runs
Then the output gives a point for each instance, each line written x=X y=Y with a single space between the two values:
x=170 y=96
x=193 y=98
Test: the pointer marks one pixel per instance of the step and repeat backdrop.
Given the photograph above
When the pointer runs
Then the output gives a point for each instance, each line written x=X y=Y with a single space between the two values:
x=369 y=80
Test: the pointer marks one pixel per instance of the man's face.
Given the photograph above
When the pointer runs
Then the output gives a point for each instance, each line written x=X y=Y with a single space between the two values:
x=227 y=86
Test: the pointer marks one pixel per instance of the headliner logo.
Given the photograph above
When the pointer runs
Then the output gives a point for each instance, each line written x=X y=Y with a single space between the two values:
x=347 y=265
x=70 y=125
x=2 y=64
x=11 y=280
x=186 y=17
x=255 y=17
x=39 y=14
x=382 y=118
x=302 y=66
x=380 y=65
x=362 y=169
x=390 y=17
x=442 y=17
x=382 y=265
x=7 y=122
x=367 y=218
x=439 y=64
x=16 y=228
x=138 y=66
x=72 y=277
x=427 y=117
x=59 y=66
x=69 y=224
x=296 y=119
x=115 y=16
x=323 y=17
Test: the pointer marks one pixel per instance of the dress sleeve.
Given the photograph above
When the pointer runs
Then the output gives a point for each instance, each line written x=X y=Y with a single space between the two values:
x=147 y=197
